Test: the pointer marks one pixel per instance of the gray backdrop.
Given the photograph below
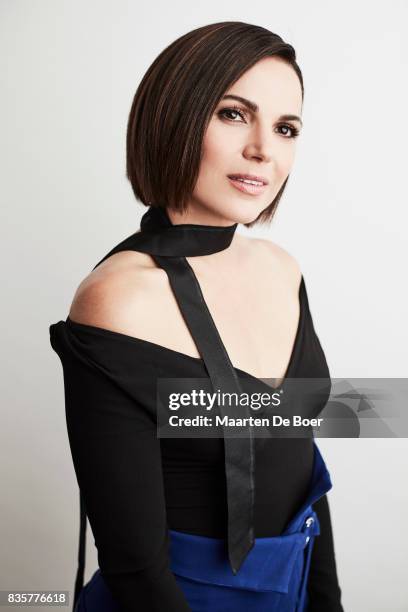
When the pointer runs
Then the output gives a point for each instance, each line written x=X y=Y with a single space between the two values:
x=70 y=69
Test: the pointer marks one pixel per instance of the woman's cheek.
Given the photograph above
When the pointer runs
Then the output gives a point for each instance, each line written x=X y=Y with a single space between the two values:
x=286 y=160
x=220 y=141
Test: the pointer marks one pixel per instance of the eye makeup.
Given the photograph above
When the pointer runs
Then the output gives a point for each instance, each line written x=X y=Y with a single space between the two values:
x=222 y=113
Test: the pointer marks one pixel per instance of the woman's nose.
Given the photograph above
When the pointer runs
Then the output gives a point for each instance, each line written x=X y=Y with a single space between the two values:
x=260 y=144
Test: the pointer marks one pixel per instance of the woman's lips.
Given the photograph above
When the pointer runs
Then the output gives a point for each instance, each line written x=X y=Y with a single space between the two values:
x=247 y=187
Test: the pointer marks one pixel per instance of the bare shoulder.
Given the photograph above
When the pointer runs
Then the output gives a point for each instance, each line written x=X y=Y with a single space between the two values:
x=118 y=292
x=277 y=260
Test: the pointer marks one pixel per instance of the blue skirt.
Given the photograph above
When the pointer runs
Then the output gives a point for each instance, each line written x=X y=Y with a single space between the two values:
x=273 y=577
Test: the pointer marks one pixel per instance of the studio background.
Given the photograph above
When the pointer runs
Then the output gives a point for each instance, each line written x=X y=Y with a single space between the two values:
x=70 y=69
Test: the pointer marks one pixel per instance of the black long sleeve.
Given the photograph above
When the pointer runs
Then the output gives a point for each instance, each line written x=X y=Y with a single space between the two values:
x=116 y=455
x=136 y=485
x=323 y=586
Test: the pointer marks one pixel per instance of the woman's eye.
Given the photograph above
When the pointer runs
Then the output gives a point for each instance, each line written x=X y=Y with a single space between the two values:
x=224 y=112
x=292 y=129
x=232 y=115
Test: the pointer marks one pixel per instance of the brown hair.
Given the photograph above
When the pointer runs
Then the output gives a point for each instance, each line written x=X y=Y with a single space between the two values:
x=176 y=99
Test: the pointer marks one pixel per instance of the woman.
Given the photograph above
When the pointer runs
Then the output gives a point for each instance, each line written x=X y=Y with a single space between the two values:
x=200 y=524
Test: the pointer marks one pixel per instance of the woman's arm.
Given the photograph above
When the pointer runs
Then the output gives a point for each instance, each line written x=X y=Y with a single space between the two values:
x=116 y=456
x=323 y=587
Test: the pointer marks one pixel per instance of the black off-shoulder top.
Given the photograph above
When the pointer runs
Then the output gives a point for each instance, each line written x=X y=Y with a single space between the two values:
x=136 y=486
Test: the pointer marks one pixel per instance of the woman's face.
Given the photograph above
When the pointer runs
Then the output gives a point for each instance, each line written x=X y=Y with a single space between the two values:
x=244 y=139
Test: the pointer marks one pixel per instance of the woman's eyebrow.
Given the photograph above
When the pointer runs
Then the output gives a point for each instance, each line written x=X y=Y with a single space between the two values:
x=255 y=108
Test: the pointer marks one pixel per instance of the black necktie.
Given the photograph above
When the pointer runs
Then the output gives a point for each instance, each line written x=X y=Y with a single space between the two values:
x=169 y=245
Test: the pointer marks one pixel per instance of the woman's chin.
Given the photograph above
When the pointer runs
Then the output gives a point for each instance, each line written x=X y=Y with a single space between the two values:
x=243 y=212
x=232 y=210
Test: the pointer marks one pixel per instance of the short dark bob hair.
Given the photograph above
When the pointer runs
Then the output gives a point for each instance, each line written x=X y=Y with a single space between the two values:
x=176 y=100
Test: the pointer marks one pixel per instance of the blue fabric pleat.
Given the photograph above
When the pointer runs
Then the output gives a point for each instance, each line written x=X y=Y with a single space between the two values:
x=272 y=578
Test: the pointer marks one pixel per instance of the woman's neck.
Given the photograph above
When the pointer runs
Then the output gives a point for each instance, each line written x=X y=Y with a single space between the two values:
x=199 y=216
